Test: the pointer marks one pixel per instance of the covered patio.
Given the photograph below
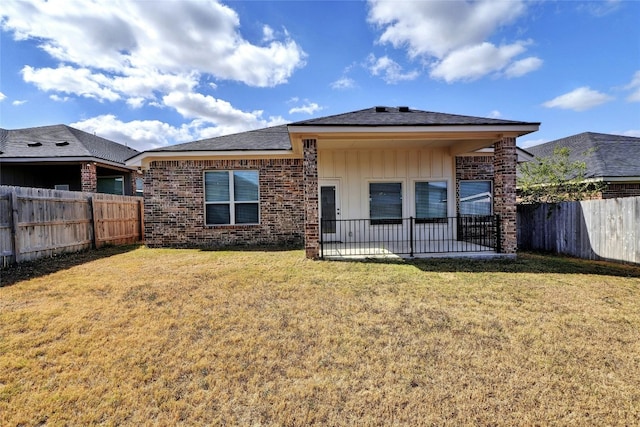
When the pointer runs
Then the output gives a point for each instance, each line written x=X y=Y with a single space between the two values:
x=468 y=236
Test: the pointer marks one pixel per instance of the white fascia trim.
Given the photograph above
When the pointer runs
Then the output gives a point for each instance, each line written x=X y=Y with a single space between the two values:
x=414 y=129
x=624 y=179
x=136 y=160
x=62 y=159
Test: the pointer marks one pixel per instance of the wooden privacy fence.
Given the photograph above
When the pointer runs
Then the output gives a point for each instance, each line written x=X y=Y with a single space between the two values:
x=38 y=222
x=592 y=229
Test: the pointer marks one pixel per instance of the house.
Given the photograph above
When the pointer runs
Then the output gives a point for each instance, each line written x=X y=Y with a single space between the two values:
x=65 y=158
x=382 y=180
x=613 y=160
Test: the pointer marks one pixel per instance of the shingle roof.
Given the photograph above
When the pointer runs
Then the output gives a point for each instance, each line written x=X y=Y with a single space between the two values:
x=402 y=116
x=277 y=138
x=60 y=141
x=605 y=155
x=273 y=138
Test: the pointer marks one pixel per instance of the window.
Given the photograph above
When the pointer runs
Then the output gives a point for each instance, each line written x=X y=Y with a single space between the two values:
x=111 y=185
x=476 y=198
x=139 y=186
x=62 y=187
x=431 y=201
x=231 y=197
x=385 y=202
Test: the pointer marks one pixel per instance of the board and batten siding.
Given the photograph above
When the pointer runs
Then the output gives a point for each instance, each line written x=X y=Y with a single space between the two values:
x=356 y=168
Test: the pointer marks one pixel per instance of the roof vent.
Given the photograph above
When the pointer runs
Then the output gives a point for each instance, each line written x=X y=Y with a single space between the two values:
x=61 y=143
x=381 y=109
x=34 y=144
x=403 y=109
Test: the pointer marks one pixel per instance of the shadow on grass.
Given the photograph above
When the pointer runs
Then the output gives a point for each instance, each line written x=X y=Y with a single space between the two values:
x=251 y=248
x=526 y=262
x=41 y=267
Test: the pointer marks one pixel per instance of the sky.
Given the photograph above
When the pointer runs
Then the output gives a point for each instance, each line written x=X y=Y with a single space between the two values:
x=154 y=73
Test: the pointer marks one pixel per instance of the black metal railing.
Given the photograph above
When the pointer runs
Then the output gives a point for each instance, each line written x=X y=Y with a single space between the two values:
x=409 y=236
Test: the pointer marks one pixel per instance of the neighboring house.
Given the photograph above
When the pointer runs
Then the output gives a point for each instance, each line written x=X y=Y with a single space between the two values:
x=613 y=160
x=379 y=180
x=64 y=158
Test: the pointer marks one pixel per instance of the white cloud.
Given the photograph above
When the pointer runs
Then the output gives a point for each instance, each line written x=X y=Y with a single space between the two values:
x=220 y=113
x=523 y=66
x=601 y=8
x=474 y=62
x=630 y=132
x=267 y=34
x=57 y=98
x=634 y=87
x=2 y=96
x=135 y=102
x=343 y=83
x=139 y=134
x=390 y=71
x=581 y=99
x=452 y=36
x=119 y=35
x=495 y=114
x=78 y=81
x=436 y=28
x=18 y=102
x=148 y=134
x=120 y=50
x=531 y=142
x=309 y=108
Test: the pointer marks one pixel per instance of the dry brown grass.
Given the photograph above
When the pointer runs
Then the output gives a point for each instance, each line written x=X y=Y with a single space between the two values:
x=166 y=337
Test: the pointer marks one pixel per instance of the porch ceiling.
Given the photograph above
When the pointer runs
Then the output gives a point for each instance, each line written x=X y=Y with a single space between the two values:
x=457 y=144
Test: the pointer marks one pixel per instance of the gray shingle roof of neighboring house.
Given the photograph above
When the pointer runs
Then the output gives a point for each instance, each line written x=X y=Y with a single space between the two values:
x=605 y=155
x=277 y=138
x=58 y=142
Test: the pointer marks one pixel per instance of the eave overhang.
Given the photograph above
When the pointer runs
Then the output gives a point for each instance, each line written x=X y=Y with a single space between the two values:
x=143 y=160
x=59 y=160
x=507 y=130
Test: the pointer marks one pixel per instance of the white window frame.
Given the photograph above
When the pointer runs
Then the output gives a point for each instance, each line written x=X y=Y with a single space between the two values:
x=447 y=182
x=378 y=221
x=232 y=202
x=476 y=180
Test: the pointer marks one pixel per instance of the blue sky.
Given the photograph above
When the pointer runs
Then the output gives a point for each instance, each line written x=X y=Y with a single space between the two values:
x=152 y=73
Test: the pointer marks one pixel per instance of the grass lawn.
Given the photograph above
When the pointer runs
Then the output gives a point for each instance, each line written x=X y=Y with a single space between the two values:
x=165 y=337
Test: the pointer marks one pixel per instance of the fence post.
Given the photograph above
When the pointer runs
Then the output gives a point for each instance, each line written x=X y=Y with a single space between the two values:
x=92 y=212
x=411 y=223
x=141 y=219
x=15 y=236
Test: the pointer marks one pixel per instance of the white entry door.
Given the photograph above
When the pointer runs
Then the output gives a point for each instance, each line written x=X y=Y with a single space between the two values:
x=330 y=210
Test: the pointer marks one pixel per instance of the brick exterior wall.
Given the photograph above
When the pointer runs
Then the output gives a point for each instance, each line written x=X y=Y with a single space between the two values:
x=504 y=191
x=615 y=190
x=89 y=177
x=311 y=207
x=175 y=212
